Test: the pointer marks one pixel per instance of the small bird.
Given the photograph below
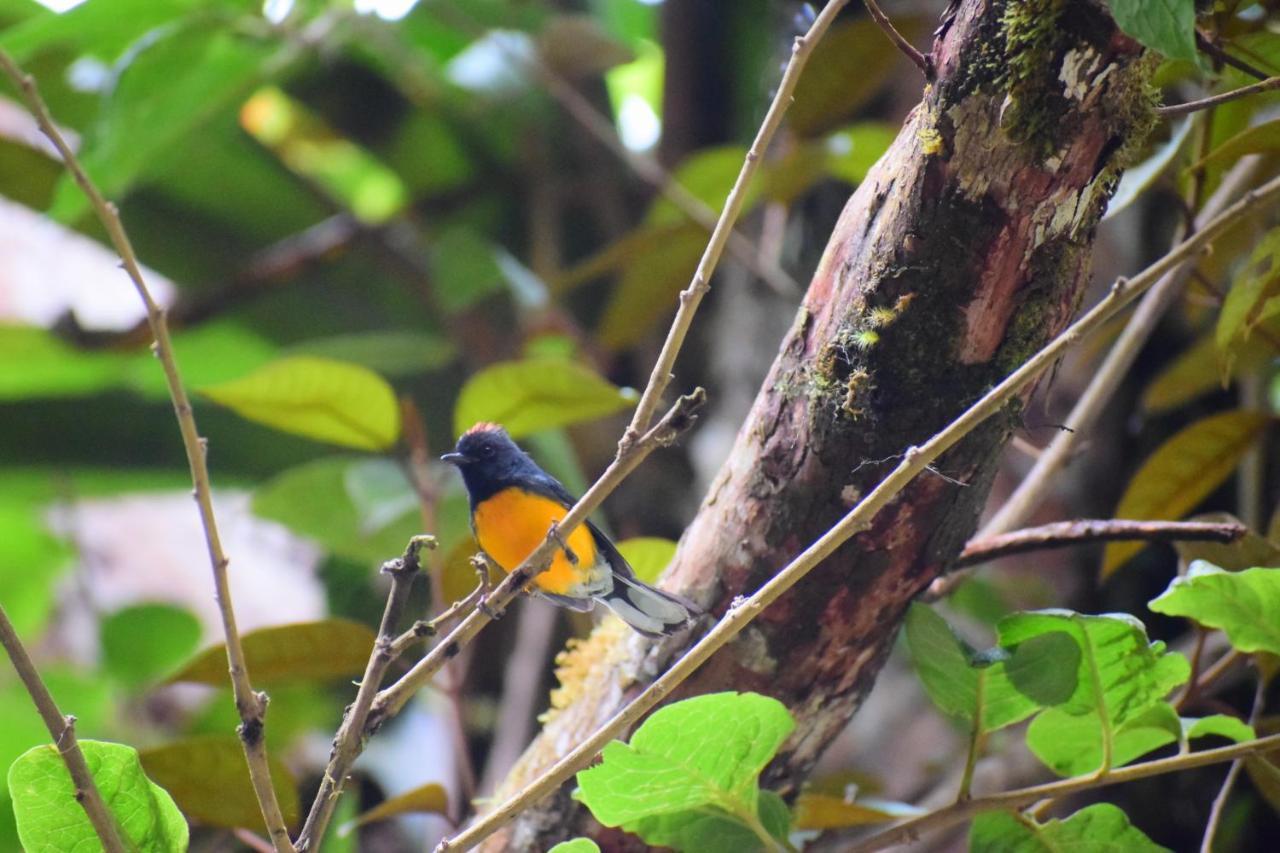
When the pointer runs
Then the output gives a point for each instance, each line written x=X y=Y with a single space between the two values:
x=514 y=503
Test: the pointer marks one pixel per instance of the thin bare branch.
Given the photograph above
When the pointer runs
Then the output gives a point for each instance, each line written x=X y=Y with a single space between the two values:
x=63 y=731
x=1064 y=534
x=250 y=705
x=914 y=461
x=1224 y=793
x=918 y=59
x=1172 y=110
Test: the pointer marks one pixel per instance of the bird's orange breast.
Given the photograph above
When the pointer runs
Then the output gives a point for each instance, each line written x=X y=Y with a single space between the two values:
x=512 y=523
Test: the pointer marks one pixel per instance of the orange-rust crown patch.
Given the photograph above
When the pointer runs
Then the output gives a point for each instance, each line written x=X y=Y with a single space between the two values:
x=484 y=426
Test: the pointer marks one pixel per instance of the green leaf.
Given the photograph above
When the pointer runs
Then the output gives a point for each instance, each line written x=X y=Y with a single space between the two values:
x=853 y=150
x=648 y=555
x=664 y=263
x=576 y=845
x=1000 y=688
x=144 y=642
x=1246 y=605
x=50 y=820
x=1252 y=140
x=318 y=398
x=464 y=268
x=1202 y=369
x=688 y=778
x=1100 y=828
x=387 y=353
x=343 y=504
x=1165 y=26
x=25 y=540
x=1182 y=472
x=329 y=648
x=1254 y=296
x=848 y=67
x=1071 y=744
x=536 y=394
x=207 y=778
x=1220 y=725
x=708 y=175
x=430 y=798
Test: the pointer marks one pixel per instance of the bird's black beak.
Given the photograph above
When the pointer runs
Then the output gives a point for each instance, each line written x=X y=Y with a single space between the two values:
x=458 y=459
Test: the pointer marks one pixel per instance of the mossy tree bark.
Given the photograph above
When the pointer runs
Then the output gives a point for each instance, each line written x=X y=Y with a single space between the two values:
x=965 y=249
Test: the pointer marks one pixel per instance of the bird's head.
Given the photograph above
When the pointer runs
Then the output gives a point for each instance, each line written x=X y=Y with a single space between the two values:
x=487 y=457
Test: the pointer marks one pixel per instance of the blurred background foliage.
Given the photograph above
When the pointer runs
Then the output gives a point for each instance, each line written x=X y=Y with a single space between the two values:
x=376 y=222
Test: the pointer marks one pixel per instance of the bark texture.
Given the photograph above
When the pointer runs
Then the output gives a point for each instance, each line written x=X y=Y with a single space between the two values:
x=964 y=250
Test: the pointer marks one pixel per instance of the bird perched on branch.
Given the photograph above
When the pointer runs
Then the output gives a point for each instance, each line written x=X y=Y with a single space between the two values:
x=513 y=506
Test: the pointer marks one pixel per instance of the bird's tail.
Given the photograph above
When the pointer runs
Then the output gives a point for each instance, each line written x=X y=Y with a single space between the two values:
x=650 y=611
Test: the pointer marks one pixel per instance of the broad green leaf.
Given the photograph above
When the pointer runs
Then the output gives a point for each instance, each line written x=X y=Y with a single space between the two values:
x=380 y=493
x=27 y=176
x=1071 y=744
x=342 y=503
x=851 y=63
x=707 y=175
x=1166 y=26
x=86 y=696
x=650 y=284
x=1100 y=828
x=708 y=831
x=1252 y=140
x=52 y=368
x=1182 y=472
x=1246 y=552
x=26 y=541
x=1221 y=725
x=815 y=810
x=536 y=394
x=648 y=555
x=318 y=398
x=329 y=648
x=464 y=268
x=1201 y=369
x=1246 y=604
x=386 y=353
x=430 y=798
x=1253 y=298
x=1001 y=687
x=689 y=774
x=576 y=845
x=207 y=777
x=50 y=820
x=1141 y=177
x=146 y=641
x=102 y=28
x=635 y=247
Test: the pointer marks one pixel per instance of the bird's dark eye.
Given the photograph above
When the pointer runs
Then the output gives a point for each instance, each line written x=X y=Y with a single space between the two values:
x=486 y=451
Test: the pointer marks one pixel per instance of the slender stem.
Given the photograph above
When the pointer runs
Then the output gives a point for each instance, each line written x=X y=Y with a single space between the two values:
x=975 y=741
x=691 y=297
x=1063 y=534
x=918 y=59
x=915 y=828
x=403 y=572
x=914 y=461
x=250 y=705
x=1114 y=368
x=1220 y=801
x=1207 y=45
x=63 y=731
x=1173 y=110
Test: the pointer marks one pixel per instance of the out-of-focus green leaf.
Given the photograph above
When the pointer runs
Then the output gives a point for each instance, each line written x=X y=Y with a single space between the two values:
x=1253 y=140
x=171 y=87
x=27 y=176
x=102 y=28
x=209 y=354
x=380 y=493
x=1246 y=552
x=146 y=641
x=632 y=248
x=1254 y=296
x=207 y=777
x=688 y=778
x=85 y=696
x=648 y=555
x=315 y=500
x=814 y=810
x=318 y=398
x=1100 y=828
x=850 y=65
x=1201 y=369
x=26 y=541
x=1166 y=26
x=329 y=648
x=1071 y=744
x=1245 y=604
x=428 y=155
x=430 y=798
x=647 y=290
x=576 y=845
x=852 y=151
x=707 y=175
x=1139 y=179
x=1182 y=472
x=51 y=820
x=464 y=268
x=52 y=368
x=576 y=46
x=536 y=394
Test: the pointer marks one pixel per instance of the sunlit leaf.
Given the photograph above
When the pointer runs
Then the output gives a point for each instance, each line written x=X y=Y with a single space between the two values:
x=329 y=648
x=535 y=394
x=576 y=845
x=51 y=820
x=318 y=398
x=1219 y=725
x=825 y=811
x=146 y=641
x=1182 y=472
x=430 y=798
x=648 y=555
x=1244 y=604
x=207 y=777
x=1071 y=744
x=1165 y=26
x=1100 y=828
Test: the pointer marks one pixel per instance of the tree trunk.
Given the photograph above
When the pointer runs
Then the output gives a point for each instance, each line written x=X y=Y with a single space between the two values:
x=965 y=249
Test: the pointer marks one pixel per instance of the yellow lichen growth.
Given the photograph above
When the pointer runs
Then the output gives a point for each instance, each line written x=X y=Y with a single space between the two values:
x=583 y=661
